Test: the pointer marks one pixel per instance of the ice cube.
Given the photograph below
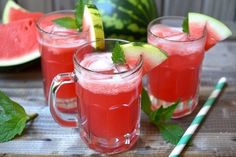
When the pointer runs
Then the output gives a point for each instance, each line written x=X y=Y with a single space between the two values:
x=53 y=29
x=122 y=67
x=101 y=65
x=117 y=78
x=178 y=37
x=164 y=30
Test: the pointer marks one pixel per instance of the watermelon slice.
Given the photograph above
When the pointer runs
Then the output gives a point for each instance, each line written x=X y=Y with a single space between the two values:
x=92 y=23
x=18 y=43
x=215 y=29
x=18 y=36
x=14 y=12
x=8 y=7
x=152 y=56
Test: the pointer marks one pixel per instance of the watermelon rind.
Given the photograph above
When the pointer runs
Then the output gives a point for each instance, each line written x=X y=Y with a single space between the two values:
x=33 y=55
x=218 y=27
x=92 y=22
x=152 y=55
x=10 y=4
x=127 y=19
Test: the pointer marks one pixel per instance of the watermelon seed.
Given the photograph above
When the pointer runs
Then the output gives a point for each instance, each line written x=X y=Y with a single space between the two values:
x=30 y=23
x=26 y=28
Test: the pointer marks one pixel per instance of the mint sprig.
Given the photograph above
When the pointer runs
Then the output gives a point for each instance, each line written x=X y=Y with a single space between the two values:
x=118 y=56
x=13 y=118
x=67 y=22
x=161 y=119
x=185 y=26
x=74 y=23
x=171 y=132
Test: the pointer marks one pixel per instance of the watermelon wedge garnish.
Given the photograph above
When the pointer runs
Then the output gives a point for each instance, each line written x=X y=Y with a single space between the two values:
x=18 y=35
x=92 y=23
x=215 y=29
x=152 y=56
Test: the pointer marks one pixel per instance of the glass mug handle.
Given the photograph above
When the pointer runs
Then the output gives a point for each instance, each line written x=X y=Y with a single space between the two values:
x=58 y=81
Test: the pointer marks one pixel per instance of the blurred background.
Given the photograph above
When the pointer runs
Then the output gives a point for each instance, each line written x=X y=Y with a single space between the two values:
x=221 y=9
x=224 y=10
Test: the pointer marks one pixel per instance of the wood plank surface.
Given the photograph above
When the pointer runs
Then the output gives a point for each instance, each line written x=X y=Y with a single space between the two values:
x=44 y=137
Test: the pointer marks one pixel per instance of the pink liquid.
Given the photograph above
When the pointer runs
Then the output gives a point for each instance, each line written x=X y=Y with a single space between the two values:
x=178 y=77
x=57 y=57
x=109 y=106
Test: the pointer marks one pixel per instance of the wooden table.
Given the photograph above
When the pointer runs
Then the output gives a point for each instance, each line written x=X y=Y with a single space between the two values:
x=43 y=137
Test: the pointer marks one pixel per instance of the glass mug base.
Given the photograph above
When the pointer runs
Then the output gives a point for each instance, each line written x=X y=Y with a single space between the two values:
x=184 y=108
x=110 y=145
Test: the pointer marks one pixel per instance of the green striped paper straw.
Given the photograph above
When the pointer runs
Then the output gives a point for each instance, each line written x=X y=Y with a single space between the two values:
x=198 y=119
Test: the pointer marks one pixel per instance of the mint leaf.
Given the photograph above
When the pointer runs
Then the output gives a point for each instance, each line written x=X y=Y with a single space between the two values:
x=161 y=117
x=185 y=26
x=67 y=22
x=171 y=132
x=118 y=56
x=13 y=118
x=164 y=114
x=146 y=102
x=74 y=23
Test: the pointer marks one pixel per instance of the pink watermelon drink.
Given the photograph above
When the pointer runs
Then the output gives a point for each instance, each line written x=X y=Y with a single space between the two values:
x=178 y=77
x=110 y=110
x=108 y=93
x=108 y=98
x=57 y=46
